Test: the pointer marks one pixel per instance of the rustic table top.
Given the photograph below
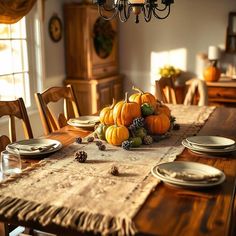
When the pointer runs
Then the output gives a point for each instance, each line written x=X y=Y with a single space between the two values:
x=175 y=211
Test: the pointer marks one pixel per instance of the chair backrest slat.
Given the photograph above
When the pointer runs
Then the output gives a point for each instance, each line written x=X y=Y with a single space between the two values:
x=165 y=90
x=17 y=109
x=53 y=95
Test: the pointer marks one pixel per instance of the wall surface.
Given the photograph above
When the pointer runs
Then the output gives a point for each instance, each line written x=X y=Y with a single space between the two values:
x=191 y=28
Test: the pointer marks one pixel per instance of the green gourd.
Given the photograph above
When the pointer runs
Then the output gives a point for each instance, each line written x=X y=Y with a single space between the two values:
x=147 y=109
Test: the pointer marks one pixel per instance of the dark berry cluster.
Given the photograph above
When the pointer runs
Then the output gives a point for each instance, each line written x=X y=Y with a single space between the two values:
x=126 y=144
x=137 y=123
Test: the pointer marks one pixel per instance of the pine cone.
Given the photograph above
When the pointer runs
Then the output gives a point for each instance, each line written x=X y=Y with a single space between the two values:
x=102 y=147
x=114 y=170
x=147 y=140
x=132 y=127
x=126 y=145
x=81 y=156
x=138 y=122
x=98 y=143
x=78 y=140
x=90 y=139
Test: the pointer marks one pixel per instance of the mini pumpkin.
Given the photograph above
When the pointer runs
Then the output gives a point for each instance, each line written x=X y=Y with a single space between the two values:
x=161 y=108
x=116 y=134
x=143 y=97
x=125 y=111
x=212 y=73
x=106 y=114
x=157 y=124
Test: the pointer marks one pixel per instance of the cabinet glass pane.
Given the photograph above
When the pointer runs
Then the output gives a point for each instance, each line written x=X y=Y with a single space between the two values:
x=103 y=37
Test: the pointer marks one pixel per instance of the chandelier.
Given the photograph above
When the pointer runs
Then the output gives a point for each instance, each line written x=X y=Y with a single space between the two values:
x=159 y=8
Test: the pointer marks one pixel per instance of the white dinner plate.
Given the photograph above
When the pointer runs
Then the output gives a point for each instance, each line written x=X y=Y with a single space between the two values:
x=84 y=121
x=205 y=150
x=210 y=141
x=31 y=147
x=191 y=168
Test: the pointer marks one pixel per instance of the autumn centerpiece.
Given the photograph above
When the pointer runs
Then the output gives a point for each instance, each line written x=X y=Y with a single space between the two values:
x=136 y=120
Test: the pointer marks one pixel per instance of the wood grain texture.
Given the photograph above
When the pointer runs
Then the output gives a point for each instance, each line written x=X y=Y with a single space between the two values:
x=222 y=92
x=82 y=61
x=93 y=95
x=167 y=212
x=176 y=211
x=16 y=109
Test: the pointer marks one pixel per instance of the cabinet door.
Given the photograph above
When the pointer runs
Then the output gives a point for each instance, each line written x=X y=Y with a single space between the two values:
x=103 y=45
x=104 y=92
x=117 y=90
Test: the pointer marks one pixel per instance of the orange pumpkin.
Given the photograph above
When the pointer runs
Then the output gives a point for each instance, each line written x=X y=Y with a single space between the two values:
x=212 y=73
x=157 y=124
x=106 y=114
x=142 y=97
x=125 y=111
x=161 y=108
x=116 y=134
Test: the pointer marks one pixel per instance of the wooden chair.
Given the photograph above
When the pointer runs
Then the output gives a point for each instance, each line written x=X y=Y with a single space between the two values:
x=165 y=90
x=194 y=92
x=16 y=109
x=54 y=94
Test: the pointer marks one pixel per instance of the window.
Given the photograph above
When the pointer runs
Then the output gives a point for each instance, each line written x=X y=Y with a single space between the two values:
x=14 y=62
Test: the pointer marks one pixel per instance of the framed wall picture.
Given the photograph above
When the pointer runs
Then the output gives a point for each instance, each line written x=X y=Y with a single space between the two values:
x=55 y=28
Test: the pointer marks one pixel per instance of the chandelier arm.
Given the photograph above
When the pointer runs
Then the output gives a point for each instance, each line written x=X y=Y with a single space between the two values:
x=126 y=13
x=160 y=17
x=161 y=9
x=101 y=9
x=147 y=12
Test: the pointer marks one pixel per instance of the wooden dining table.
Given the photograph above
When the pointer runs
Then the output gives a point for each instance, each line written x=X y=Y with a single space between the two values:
x=172 y=210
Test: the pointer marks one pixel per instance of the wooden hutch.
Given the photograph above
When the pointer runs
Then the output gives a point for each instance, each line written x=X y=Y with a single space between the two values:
x=91 y=53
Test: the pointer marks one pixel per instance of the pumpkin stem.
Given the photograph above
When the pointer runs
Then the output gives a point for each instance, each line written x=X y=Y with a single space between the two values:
x=126 y=97
x=137 y=89
x=113 y=103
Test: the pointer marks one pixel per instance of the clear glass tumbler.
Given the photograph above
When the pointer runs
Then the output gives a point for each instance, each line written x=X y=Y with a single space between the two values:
x=10 y=163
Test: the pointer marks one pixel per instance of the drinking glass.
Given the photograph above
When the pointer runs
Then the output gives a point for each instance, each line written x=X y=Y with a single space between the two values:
x=10 y=163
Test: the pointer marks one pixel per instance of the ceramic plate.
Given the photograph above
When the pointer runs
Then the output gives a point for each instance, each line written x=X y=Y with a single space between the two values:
x=189 y=167
x=34 y=147
x=84 y=121
x=213 y=151
x=210 y=141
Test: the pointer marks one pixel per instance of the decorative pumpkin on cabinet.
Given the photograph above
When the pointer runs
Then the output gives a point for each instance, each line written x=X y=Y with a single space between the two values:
x=116 y=134
x=142 y=97
x=212 y=74
x=157 y=124
x=106 y=114
x=125 y=111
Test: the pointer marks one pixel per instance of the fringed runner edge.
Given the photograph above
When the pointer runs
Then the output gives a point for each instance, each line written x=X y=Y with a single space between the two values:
x=65 y=217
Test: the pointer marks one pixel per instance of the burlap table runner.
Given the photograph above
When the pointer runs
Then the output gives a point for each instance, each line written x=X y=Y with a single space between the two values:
x=85 y=196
